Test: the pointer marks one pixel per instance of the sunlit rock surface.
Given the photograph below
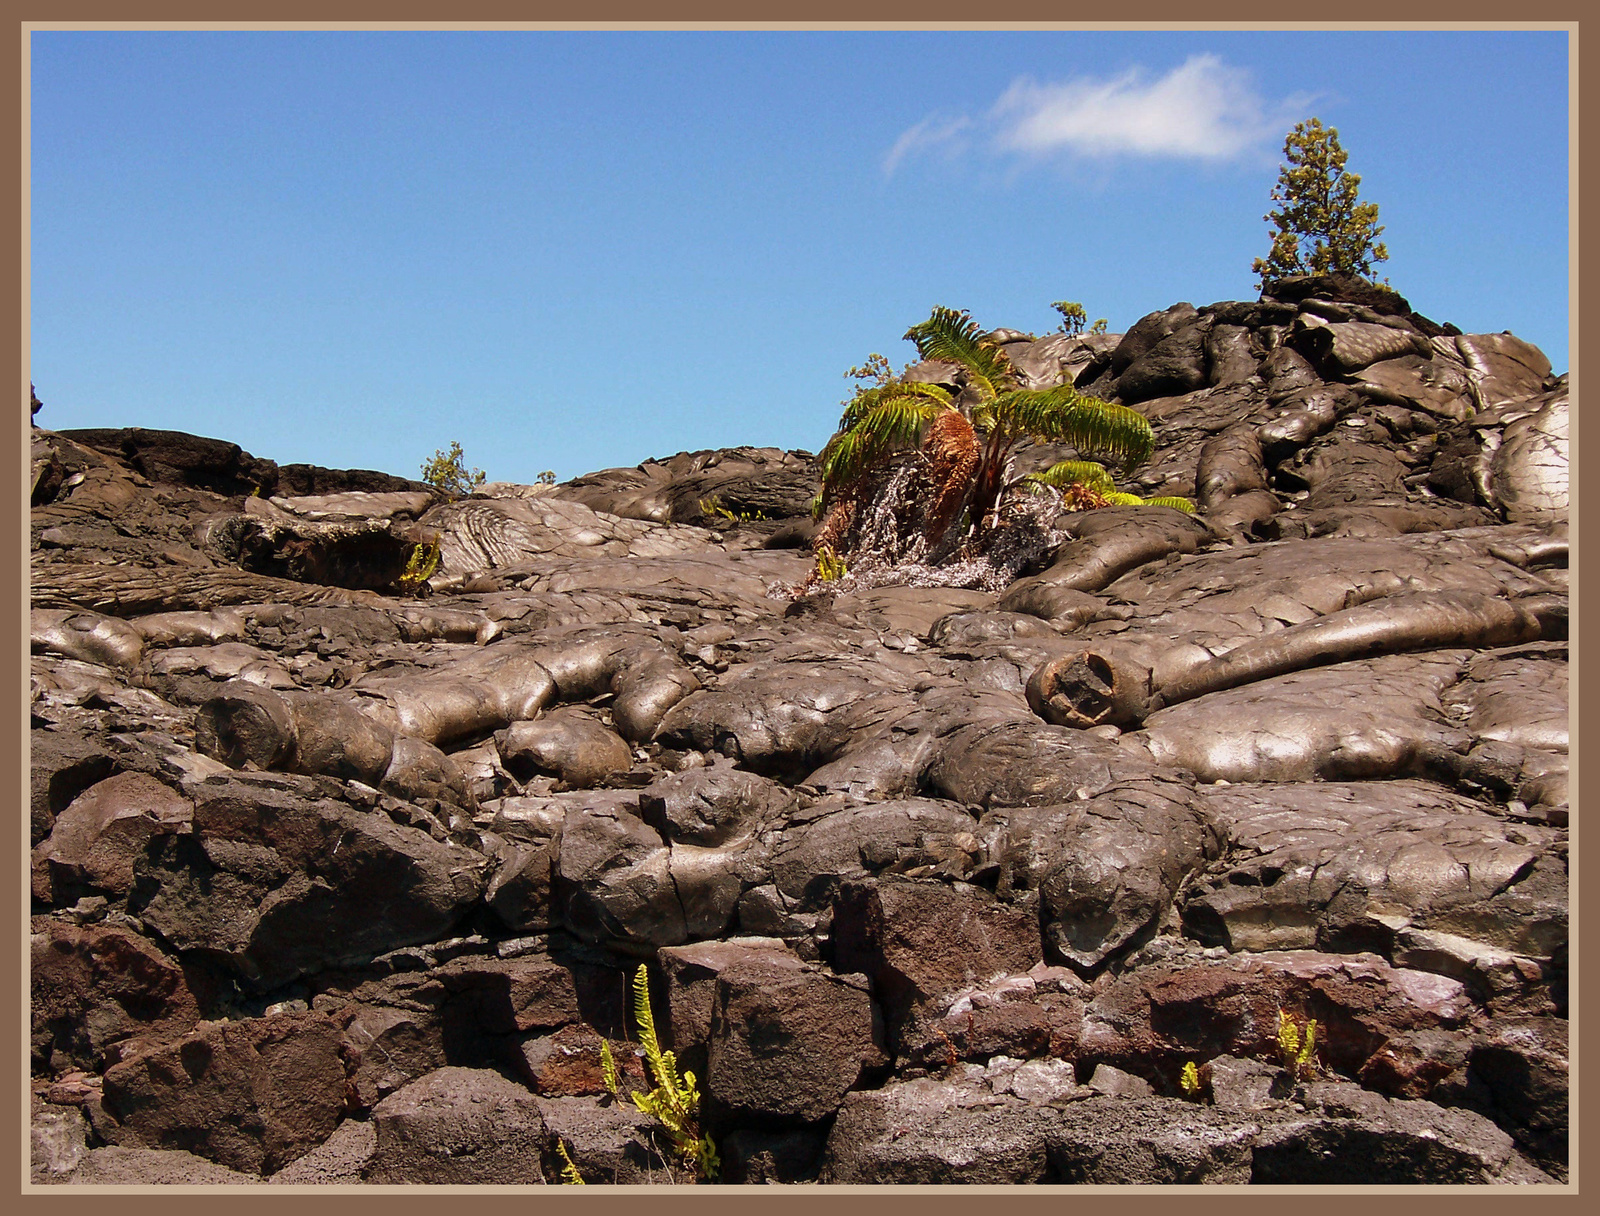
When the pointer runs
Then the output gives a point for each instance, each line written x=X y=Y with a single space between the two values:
x=354 y=810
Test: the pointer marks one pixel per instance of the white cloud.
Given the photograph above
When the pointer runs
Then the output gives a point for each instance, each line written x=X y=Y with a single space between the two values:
x=929 y=133
x=1203 y=110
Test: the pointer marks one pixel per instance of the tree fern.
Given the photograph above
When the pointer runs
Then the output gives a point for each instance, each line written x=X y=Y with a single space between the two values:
x=969 y=445
x=869 y=399
x=1064 y=415
x=954 y=453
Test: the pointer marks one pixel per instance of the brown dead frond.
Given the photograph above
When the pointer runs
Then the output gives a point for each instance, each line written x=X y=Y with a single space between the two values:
x=954 y=451
x=836 y=527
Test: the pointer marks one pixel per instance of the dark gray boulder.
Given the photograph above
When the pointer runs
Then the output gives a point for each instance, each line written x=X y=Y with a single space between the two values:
x=274 y=882
x=786 y=1042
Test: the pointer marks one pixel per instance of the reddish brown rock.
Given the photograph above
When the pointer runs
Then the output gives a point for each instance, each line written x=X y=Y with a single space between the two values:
x=569 y=1063
x=1154 y=1019
x=1413 y=1063
x=96 y=840
x=1021 y=1017
x=918 y=941
x=96 y=985
x=251 y=1095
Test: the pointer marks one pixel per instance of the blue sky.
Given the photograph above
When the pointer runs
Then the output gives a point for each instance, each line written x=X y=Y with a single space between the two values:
x=577 y=250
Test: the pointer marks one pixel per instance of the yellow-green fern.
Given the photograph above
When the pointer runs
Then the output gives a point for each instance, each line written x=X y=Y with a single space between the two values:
x=569 y=1171
x=830 y=567
x=1189 y=1080
x=1064 y=473
x=675 y=1100
x=421 y=565
x=1297 y=1046
x=1118 y=499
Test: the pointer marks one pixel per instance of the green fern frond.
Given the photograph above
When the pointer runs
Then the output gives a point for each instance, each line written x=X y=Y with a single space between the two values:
x=954 y=337
x=1171 y=500
x=608 y=1068
x=704 y=1153
x=1063 y=415
x=645 y=1021
x=1118 y=499
x=675 y=1100
x=869 y=399
x=1069 y=472
x=895 y=423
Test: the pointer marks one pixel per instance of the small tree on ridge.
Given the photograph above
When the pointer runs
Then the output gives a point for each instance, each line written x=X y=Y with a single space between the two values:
x=1321 y=227
x=448 y=472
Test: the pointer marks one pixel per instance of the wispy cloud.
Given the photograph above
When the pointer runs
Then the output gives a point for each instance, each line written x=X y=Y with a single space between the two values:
x=930 y=133
x=1203 y=110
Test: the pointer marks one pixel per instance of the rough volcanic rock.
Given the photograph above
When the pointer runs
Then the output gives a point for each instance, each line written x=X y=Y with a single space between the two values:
x=612 y=1144
x=252 y=1095
x=786 y=1042
x=458 y=1126
x=273 y=884
x=340 y=877
x=337 y=1161
x=95 y=986
x=925 y=1132
x=919 y=941
x=120 y=1166
x=385 y=1049
x=1524 y=1067
x=95 y=841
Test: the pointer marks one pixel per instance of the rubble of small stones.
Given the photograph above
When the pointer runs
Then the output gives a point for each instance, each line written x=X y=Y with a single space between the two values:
x=338 y=880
